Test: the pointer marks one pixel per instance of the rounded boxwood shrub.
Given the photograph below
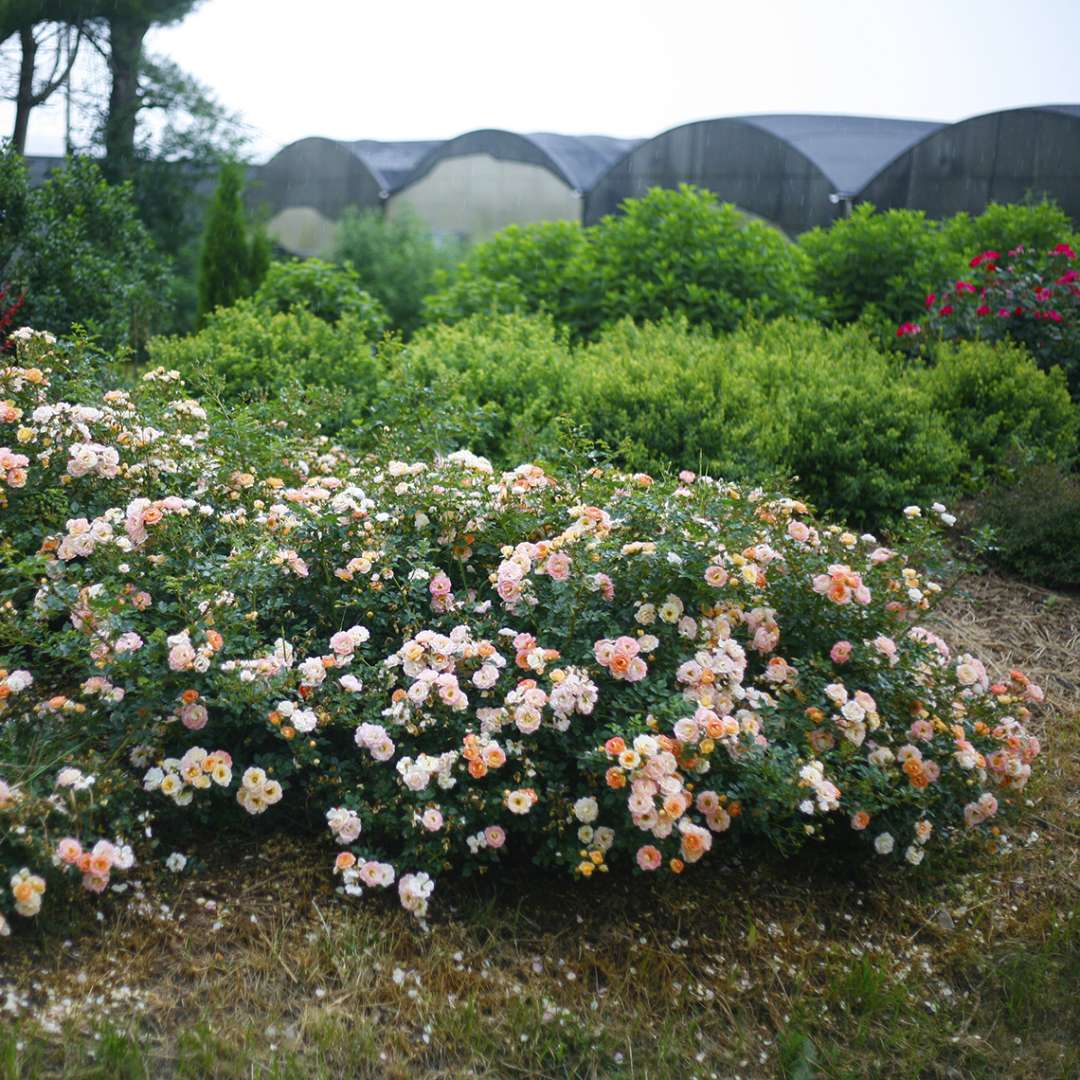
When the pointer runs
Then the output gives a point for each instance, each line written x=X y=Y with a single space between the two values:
x=541 y=268
x=680 y=253
x=830 y=408
x=328 y=291
x=996 y=402
x=515 y=368
x=246 y=352
x=781 y=398
x=661 y=393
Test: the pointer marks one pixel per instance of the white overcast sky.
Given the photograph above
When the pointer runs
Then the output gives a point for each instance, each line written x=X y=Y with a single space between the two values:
x=413 y=69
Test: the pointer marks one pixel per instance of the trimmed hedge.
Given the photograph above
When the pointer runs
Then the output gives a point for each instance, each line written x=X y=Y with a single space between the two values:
x=865 y=434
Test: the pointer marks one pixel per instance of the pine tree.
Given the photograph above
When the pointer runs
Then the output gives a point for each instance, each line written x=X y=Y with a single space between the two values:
x=225 y=265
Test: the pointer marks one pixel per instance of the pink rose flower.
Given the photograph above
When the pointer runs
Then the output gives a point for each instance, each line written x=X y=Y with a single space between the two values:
x=649 y=857
x=840 y=653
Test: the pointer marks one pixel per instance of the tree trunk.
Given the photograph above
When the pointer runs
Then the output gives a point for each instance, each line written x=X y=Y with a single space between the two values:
x=125 y=53
x=24 y=98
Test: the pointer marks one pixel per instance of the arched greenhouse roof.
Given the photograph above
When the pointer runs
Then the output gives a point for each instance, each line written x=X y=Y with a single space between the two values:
x=323 y=174
x=392 y=162
x=1003 y=156
x=848 y=149
x=783 y=168
x=576 y=160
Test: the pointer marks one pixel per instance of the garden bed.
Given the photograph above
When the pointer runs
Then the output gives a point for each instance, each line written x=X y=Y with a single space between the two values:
x=755 y=967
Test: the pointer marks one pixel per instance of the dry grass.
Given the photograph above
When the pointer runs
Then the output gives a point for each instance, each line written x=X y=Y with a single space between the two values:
x=759 y=967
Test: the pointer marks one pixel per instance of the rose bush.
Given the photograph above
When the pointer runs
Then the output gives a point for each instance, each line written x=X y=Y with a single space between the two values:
x=442 y=666
x=1028 y=295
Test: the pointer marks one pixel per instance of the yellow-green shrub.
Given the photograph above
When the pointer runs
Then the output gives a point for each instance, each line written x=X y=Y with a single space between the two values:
x=246 y=352
x=996 y=401
x=514 y=367
x=785 y=397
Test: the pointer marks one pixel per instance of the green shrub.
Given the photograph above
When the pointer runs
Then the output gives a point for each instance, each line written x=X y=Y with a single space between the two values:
x=514 y=367
x=329 y=292
x=679 y=253
x=1030 y=296
x=1006 y=226
x=396 y=259
x=1035 y=520
x=227 y=262
x=878 y=266
x=996 y=401
x=669 y=253
x=777 y=398
x=780 y=398
x=82 y=256
x=525 y=269
x=245 y=353
x=834 y=410
x=661 y=393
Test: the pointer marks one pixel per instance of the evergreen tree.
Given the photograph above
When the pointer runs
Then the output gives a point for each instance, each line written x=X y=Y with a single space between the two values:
x=261 y=256
x=226 y=262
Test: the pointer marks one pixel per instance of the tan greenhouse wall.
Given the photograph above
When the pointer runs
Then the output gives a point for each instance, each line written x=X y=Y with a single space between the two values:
x=302 y=230
x=476 y=195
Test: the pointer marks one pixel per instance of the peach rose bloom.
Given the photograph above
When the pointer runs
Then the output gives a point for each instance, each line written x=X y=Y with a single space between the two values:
x=68 y=850
x=798 y=530
x=649 y=857
x=716 y=576
x=839 y=593
x=95 y=882
x=22 y=891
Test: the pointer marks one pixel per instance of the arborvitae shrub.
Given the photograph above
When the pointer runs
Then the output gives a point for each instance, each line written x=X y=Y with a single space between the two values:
x=225 y=263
